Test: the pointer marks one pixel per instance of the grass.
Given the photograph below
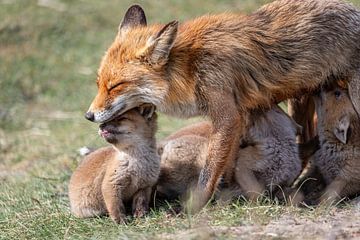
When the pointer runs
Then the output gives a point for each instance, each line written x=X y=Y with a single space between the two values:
x=49 y=53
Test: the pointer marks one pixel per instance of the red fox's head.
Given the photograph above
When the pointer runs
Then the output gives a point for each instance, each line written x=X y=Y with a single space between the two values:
x=133 y=70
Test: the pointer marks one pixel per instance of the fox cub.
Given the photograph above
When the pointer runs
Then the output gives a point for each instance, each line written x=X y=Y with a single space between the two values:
x=336 y=164
x=269 y=151
x=110 y=177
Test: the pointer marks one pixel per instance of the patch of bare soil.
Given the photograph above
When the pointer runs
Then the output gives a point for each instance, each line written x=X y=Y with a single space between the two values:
x=334 y=224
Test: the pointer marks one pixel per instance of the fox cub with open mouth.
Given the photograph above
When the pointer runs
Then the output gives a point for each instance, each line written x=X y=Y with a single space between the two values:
x=110 y=177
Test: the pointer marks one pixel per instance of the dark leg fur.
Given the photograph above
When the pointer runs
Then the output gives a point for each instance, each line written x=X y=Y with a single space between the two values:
x=140 y=204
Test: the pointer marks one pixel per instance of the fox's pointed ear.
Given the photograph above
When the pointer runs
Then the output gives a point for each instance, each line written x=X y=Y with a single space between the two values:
x=159 y=46
x=134 y=17
x=342 y=128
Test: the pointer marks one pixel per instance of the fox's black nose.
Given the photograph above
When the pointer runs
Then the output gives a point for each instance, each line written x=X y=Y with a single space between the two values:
x=90 y=116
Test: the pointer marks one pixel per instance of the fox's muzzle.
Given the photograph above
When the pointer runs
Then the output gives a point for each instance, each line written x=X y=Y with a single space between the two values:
x=107 y=114
x=118 y=106
x=90 y=116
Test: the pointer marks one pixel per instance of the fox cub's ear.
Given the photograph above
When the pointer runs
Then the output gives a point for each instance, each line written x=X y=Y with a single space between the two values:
x=342 y=128
x=134 y=17
x=354 y=92
x=147 y=111
x=158 y=47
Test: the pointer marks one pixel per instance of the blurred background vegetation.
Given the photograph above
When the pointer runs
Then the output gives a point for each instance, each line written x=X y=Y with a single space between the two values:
x=50 y=49
x=49 y=54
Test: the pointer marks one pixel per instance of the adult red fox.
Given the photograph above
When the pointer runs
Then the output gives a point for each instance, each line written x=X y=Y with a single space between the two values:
x=223 y=66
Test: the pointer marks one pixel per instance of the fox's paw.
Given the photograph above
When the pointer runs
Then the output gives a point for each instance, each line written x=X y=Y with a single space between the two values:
x=196 y=201
x=140 y=212
x=119 y=219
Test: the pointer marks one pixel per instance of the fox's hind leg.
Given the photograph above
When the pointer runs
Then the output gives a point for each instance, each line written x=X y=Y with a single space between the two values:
x=302 y=111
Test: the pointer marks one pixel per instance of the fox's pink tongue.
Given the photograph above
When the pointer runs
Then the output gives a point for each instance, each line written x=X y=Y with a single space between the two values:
x=103 y=133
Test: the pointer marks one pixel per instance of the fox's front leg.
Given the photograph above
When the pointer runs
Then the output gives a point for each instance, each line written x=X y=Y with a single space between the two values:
x=112 y=193
x=244 y=174
x=114 y=203
x=228 y=128
x=141 y=200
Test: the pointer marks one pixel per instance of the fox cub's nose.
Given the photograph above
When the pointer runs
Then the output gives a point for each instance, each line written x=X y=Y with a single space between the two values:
x=90 y=116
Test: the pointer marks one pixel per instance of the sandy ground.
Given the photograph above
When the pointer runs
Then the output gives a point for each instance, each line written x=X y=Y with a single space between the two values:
x=337 y=224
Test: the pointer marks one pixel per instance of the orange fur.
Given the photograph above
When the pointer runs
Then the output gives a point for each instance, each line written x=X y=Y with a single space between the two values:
x=224 y=66
x=111 y=177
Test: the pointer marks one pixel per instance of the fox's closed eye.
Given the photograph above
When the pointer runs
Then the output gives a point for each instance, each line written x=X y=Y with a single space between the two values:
x=116 y=85
x=123 y=119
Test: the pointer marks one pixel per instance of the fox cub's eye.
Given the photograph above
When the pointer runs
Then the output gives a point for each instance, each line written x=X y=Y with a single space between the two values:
x=337 y=94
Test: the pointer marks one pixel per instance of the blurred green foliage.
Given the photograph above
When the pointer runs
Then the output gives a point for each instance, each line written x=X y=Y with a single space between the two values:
x=50 y=49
